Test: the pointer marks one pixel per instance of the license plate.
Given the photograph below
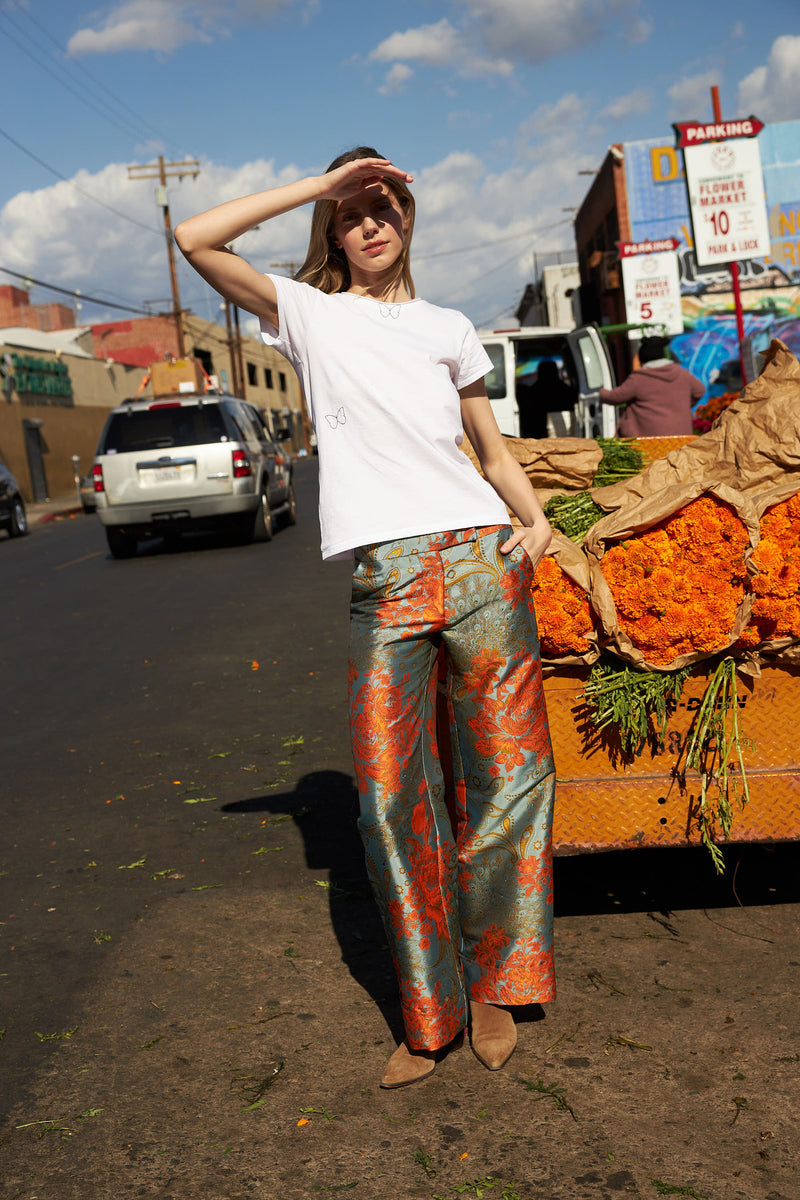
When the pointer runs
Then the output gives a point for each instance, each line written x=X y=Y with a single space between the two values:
x=166 y=474
x=181 y=515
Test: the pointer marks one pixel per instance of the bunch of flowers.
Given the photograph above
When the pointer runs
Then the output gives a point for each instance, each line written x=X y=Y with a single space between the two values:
x=706 y=414
x=677 y=586
x=563 y=614
x=776 y=607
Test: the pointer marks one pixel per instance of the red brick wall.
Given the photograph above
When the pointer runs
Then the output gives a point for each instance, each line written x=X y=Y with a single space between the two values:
x=138 y=342
x=16 y=309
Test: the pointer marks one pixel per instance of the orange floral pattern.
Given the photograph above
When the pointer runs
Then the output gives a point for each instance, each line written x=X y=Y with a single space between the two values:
x=776 y=606
x=564 y=616
x=465 y=895
x=506 y=977
x=678 y=585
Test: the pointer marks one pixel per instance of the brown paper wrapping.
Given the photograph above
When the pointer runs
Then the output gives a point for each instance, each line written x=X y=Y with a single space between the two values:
x=637 y=517
x=566 y=464
x=752 y=445
x=574 y=563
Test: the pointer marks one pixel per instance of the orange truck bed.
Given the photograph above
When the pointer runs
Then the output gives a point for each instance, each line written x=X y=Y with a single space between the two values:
x=603 y=803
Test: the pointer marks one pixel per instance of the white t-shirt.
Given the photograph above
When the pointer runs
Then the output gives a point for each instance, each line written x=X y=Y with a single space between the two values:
x=381 y=381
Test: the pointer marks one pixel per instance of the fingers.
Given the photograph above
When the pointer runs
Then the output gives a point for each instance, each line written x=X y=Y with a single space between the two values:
x=361 y=173
x=532 y=542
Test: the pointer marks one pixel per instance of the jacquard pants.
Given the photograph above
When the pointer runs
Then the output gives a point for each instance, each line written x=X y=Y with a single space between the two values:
x=465 y=895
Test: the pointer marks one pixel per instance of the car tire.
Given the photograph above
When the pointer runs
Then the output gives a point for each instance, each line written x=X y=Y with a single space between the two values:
x=290 y=513
x=18 y=522
x=120 y=543
x=262 y=525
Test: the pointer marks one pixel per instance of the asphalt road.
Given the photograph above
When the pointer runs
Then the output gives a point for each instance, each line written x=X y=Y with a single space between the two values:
x=133 y=691
x=179 y=868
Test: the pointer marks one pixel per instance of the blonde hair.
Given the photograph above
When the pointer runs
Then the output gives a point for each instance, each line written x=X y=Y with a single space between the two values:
x=326 y=266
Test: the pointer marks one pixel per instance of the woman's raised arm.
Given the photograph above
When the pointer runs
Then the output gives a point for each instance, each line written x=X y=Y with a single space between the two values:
x=204 y=239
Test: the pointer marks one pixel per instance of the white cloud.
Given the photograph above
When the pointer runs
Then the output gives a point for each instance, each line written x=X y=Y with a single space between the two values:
x=57 y=234
x=396 y=79
x=432 y=44
x=639 y=31
x=691 y=97
x=560 y=119
x=439 y=45
x=772 y=92
x=639 y=101
x=164 y=25
x=494 y=34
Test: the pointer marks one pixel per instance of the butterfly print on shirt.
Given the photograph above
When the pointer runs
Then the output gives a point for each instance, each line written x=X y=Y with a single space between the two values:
x=337 y=418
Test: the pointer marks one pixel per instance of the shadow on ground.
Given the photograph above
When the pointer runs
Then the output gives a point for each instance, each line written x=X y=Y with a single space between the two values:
x=324 y=807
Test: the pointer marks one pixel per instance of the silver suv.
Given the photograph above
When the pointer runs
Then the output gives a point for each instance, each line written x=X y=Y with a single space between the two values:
x=172 y=464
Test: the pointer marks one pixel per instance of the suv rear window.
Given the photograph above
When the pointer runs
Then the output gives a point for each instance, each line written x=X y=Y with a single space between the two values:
x=162 y=428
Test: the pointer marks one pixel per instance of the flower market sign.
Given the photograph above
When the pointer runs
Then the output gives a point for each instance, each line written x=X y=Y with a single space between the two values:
x=651 y=283
x=41 y=377
x=726 y=190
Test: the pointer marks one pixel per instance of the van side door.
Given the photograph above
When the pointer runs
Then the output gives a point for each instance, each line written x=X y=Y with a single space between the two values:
x=594 y=371
x=500 y=382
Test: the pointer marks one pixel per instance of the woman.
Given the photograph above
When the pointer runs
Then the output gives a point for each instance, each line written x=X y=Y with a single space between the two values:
x=391 y=381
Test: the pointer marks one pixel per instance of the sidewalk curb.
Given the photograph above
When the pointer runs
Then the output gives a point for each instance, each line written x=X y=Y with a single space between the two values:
x=61 y=512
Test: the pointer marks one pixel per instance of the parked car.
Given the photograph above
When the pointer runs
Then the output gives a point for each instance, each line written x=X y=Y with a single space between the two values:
x=169 y=465
x=12 y=506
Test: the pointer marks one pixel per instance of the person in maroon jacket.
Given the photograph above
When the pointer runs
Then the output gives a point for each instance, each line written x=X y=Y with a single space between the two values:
x=658 y=397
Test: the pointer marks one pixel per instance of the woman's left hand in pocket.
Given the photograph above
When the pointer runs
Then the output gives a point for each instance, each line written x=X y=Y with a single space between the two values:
x=534 y=540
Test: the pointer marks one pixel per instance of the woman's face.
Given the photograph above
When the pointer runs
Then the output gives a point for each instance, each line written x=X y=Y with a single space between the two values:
x=369 y=228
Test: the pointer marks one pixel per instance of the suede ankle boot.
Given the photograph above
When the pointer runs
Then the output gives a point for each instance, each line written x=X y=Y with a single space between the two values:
x=408 y=1066
x=493 y=1034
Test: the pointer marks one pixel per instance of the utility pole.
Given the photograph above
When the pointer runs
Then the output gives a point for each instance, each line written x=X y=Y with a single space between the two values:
x=163 y=171
x=234 y=350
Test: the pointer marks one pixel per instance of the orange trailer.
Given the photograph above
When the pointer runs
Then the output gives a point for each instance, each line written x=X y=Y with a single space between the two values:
x=605 y=803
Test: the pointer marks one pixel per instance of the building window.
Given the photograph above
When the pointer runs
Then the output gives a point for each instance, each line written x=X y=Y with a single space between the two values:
x=268 y=378
x=282 y=380
x=251 y=374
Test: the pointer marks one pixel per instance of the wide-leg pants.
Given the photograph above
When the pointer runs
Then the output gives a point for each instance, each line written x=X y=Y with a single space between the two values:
x=466 y=903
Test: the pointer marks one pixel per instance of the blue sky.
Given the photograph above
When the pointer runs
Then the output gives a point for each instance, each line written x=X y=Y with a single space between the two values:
x=494 y=105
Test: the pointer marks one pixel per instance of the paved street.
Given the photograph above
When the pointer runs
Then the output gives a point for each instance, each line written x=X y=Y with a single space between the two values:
x=195 y=997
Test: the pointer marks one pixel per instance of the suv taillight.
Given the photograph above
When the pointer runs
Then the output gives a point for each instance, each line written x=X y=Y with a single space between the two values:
x=97 y=478
x=241 y=465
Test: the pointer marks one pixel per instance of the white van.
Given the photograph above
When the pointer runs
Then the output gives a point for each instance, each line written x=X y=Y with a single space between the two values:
x=584 y=365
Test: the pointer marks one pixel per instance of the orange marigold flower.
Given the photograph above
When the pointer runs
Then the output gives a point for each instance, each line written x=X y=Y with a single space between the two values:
x=677 y=585
x=776 y=608
x=564 y=616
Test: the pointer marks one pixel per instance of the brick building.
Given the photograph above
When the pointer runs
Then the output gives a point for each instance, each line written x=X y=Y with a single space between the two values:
x=601 y=221
x=16 y=311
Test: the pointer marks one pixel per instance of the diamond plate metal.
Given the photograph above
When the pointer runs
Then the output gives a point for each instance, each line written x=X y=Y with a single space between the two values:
x=603 y=803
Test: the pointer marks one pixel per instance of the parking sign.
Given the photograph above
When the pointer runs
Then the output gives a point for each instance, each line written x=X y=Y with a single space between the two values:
x=726 y=200
x=651 y=283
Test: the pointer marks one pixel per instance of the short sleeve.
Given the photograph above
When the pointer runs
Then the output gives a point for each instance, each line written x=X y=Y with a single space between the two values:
x=295 y=309
x=473 y=363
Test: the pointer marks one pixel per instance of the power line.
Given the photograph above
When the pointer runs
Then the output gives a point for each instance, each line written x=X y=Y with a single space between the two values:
x=76 y=295
x=98 y=83
x=129 y=131
x=87 y=195
x=534 y=231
